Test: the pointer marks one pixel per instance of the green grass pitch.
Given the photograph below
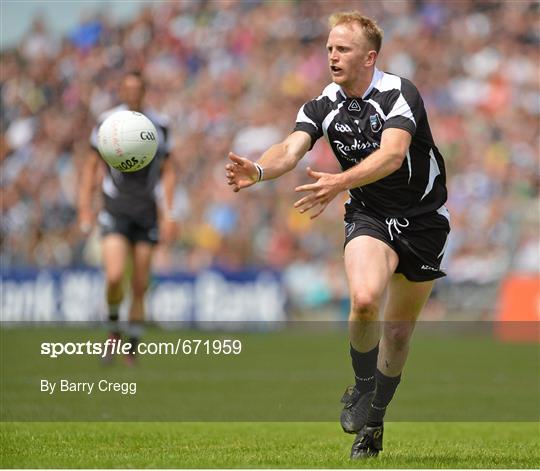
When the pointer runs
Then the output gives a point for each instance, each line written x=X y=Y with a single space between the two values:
x=466 y=401
x=264 y=445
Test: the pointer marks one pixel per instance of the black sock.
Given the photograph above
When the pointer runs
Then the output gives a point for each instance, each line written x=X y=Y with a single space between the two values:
x=386 y=387
x=364 y=366
x=135 y=330
x=114 y=310
x=134 y=341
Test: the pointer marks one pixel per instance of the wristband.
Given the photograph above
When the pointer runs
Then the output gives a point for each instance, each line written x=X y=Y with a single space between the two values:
x=260 y=172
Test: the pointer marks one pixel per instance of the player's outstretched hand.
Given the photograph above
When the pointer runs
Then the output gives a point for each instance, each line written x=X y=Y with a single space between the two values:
x=326 y=187
x=240 y=172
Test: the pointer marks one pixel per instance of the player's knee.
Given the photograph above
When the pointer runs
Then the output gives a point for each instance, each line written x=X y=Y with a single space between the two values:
x=364 y=306
x=398 y=334
x=115 y=281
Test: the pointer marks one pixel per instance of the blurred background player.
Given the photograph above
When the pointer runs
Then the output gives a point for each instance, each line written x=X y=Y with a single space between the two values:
x=129 y=217
x=396 y=222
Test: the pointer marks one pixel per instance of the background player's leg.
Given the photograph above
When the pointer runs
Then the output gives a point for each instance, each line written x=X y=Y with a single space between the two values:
x=142 y=258
x=404 y=303
x=369 y=265
x=115 y=251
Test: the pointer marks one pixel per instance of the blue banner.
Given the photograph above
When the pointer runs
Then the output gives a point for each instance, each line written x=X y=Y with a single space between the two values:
x=79 y=295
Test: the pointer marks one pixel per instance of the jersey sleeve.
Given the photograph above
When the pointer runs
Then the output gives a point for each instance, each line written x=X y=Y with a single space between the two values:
x=94 y=134
x=309 y=119
x=406 y=107
x=167 y=140
x=93 y=138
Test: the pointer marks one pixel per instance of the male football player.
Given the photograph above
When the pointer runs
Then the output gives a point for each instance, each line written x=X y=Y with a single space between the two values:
x=129 y=217
x=396 y=222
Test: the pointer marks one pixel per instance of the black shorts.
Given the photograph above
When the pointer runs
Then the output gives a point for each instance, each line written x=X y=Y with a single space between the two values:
x=419 y=241
x=134 y=229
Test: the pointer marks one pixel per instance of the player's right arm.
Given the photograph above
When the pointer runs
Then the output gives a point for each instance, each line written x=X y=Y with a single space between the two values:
x=276 y=161
x=86 y=191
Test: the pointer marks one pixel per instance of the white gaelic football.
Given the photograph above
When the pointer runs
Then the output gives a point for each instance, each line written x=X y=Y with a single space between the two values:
x=127 y=141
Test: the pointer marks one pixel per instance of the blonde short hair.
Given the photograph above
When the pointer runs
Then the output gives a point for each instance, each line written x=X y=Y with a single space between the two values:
x=372 y=31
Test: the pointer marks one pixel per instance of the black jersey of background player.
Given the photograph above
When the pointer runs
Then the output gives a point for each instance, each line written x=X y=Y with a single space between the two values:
x=134 y=194
x=353 y=127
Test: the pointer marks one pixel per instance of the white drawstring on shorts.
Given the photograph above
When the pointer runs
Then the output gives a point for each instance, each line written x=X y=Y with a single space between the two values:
x=395 y=224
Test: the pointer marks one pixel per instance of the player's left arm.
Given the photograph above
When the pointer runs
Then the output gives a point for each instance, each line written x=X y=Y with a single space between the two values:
x=387 y=159
x=169 y=224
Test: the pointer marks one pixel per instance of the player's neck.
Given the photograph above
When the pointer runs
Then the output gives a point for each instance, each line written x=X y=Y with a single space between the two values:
x=358 y=89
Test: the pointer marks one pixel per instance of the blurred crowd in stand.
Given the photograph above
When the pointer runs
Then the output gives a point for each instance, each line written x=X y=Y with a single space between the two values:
x=231 y=75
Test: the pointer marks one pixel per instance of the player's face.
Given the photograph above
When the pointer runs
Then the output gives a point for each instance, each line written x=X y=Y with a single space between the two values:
x=349 y=56
x=132 y=92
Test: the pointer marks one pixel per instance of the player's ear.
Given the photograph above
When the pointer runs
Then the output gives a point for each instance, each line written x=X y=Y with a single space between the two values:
x=371 y=58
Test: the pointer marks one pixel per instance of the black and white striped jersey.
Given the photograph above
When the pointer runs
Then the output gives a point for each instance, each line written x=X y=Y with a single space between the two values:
x=134 y=194
x=353 y=128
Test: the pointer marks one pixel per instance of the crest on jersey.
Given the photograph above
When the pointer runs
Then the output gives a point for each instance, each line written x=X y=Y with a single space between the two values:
x=354 y=106
x=375 y=122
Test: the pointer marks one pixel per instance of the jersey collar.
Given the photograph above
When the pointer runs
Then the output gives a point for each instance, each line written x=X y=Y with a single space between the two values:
x=377 y=75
